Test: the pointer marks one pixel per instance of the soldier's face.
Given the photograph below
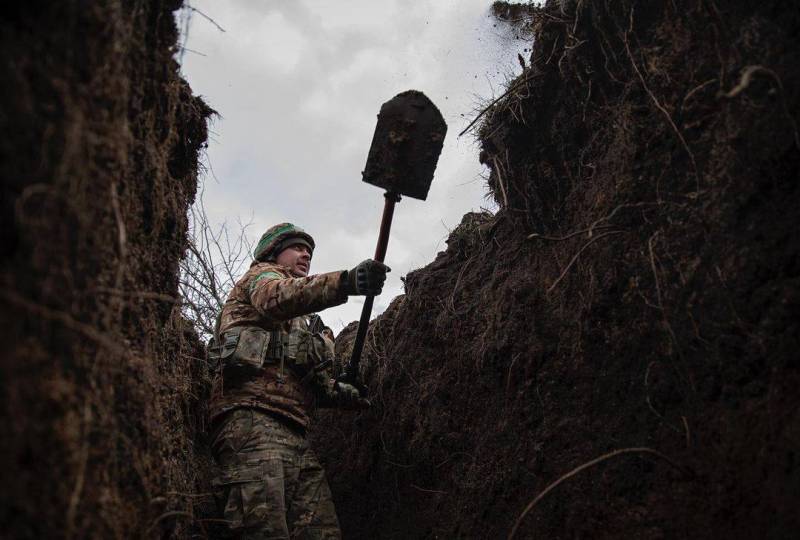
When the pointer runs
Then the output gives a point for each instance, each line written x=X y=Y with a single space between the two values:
x=297 y=258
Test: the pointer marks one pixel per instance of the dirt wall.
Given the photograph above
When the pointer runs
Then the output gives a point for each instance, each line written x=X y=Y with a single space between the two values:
x=627 y=323
x=98 y=373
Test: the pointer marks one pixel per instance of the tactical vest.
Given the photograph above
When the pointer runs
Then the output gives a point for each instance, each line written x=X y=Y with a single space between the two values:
x=276 y=371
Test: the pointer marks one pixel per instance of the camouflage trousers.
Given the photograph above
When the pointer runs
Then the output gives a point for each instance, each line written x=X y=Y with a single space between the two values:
x=270 y=483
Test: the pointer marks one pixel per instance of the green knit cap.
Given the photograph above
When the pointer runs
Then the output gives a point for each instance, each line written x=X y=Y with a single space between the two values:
x=278 y=237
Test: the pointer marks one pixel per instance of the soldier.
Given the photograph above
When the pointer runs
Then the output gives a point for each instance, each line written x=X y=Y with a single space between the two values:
x=274 y=366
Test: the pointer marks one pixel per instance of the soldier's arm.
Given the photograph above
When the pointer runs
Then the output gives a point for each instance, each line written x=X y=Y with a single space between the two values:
x=279 y=298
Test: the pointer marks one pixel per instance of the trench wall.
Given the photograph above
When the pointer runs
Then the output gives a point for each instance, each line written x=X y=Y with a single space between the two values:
x=100 y=378
x=629 y=315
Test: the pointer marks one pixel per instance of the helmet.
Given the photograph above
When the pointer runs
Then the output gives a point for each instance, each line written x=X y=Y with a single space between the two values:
x=279 y=237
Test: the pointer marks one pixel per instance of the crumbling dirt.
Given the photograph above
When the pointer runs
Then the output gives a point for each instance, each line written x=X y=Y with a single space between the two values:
x=638 y=291
x=101 y=378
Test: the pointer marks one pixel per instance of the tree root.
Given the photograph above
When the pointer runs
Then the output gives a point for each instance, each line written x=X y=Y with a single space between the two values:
x=587 y=465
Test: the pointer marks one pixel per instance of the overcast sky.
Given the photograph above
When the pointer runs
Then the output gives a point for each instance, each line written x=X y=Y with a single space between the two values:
x=298 y=85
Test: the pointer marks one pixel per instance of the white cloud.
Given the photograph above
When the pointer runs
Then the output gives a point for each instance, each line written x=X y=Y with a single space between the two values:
x=298 y=85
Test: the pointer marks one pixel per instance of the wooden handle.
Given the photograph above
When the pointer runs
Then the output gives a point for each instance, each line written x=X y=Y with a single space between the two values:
x=380 y=254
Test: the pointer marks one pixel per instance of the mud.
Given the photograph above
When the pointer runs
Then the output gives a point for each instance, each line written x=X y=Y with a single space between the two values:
x=101 y=379
x=630 y=315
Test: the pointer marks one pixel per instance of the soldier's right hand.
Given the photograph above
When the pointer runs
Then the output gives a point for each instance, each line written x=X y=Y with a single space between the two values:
x=348 y=396
x=367 y=278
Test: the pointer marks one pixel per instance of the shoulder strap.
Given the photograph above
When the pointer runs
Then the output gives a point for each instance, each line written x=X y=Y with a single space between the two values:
x=315 y=324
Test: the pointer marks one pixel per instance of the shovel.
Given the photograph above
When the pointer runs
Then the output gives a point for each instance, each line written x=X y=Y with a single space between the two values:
x=405 y=149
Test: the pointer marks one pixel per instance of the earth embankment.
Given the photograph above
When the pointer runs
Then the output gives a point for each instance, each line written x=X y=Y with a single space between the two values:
x=99 y=376
x=627 y=322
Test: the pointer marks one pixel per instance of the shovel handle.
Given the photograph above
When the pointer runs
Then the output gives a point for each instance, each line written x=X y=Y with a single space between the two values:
x=386 y=225
x=351 y=371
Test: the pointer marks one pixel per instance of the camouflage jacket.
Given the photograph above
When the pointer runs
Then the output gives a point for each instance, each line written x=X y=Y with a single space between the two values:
x=268 y=298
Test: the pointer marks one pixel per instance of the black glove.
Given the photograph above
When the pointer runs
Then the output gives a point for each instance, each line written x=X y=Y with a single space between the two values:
x=367 y=278
x=348 y=396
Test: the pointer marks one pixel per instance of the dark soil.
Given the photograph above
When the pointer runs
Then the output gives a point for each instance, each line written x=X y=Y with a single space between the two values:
x=638 y=291
x=99 y=376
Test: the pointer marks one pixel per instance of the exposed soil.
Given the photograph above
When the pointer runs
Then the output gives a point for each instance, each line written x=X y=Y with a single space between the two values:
x=100 y=378
x=638 y=291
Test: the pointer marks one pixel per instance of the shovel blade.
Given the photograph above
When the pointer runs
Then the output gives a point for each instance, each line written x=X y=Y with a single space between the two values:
x=405 y=148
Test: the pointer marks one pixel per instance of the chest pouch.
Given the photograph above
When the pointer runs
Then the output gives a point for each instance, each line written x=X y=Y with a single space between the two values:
x=305 y=350
x=241 y=348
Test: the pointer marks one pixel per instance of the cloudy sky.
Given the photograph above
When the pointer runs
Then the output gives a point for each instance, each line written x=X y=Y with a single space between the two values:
x=298 y=85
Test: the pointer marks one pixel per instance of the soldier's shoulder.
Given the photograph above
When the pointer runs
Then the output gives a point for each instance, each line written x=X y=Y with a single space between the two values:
x=265 y=270
x=260 y=267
